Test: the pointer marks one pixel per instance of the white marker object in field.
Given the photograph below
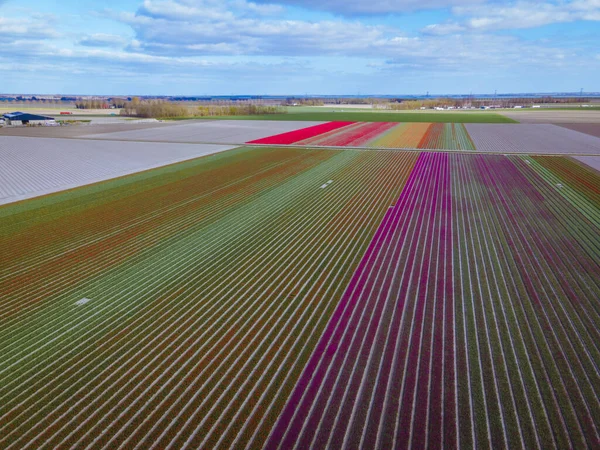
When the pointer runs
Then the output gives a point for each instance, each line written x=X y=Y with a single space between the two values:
x=324 y=186
x=83 y=301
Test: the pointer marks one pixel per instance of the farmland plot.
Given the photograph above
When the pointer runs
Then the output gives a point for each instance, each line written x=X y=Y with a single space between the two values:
x=36 y=166
x=433 y=136
x=208 y=131
x=591 y=161
x=294 y=297
x=180 y=310
x=472 y=320
x=532 y=138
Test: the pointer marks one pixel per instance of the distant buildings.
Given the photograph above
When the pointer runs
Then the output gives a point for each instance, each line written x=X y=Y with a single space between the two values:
x=19 y=118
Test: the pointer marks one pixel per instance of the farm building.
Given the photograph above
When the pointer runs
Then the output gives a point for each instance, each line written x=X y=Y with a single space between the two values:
x=19 y=118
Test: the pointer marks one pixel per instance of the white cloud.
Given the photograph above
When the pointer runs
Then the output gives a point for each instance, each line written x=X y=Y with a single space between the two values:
x=230 y=39
x=205 y=9
x=517 y=15
x=443 y=28
x=34 y=27
x=102 y=40
x=162 y=30
x=353 y=7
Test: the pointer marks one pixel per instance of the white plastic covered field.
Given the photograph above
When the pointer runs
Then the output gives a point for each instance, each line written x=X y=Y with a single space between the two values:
x=592 y=161
x=531 y=138
x=211 y=131
x=30 y=167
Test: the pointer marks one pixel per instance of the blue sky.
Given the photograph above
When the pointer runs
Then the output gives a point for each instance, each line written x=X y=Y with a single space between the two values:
x=197 y=47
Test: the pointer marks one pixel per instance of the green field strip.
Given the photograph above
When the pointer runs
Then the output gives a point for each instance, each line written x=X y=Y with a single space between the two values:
x=488 y=273
x=378 y=116
x=518 y=293
x=142 y=243
x=47 y=245
x=91 y=226
x=588 y=205
x=45 y=318
x=579 y=389
x=516 y=382
x=551 y=313
x=99 y=229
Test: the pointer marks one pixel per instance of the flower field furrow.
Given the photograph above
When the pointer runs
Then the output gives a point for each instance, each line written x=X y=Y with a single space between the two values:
x=437 y=136
x=505 y=178
x=49 y=429
x=406 y=135
x=293 y=297
x=349 y=408
x=316 y=140
x=447 y=136
x=358 y=136
x=576 y=182
x=188 y=210
x=375 y=379
x=298 y=135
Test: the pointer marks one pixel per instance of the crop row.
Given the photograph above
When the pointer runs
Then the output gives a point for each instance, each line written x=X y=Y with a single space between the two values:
x=379 y=135
x=197 y=339
x=472 y=320
x=449 y=136
x=298 y=135
x=287 y=298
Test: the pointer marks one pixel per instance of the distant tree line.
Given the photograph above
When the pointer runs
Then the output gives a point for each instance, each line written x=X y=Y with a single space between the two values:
x=163 y=109
x=248 y=109
x=100 y=103
x=303 y=101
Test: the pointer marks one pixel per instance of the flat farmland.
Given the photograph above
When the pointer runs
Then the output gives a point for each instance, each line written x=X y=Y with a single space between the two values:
x=531 y=138
x=82 y=129
x=283 y=297
x=493 y=138
x=581 y=115
x=593 y=129
x=377 y=135
x=30 y=167
x=591 y=161
x=210 y=131
x=312 y=114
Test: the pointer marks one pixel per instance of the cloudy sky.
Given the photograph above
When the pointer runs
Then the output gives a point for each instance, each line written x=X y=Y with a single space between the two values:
x=197 y=47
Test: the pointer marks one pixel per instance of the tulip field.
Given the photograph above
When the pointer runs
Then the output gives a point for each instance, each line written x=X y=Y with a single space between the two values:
x=289 y=296
x=489 y=138
x=435 y=136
